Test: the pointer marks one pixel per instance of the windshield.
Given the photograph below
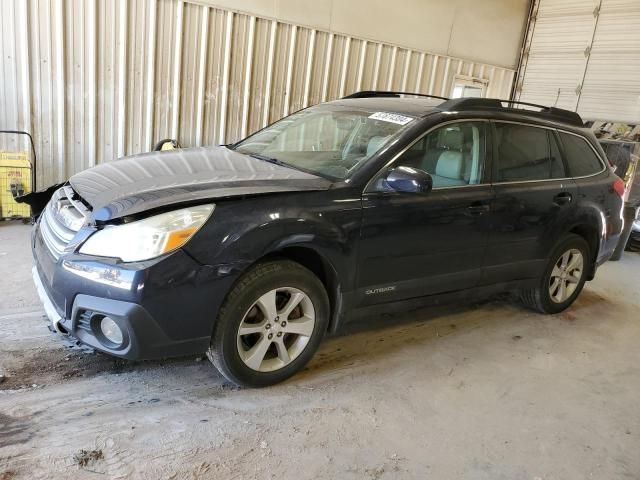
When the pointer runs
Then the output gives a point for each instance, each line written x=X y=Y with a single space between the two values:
x=328 y=140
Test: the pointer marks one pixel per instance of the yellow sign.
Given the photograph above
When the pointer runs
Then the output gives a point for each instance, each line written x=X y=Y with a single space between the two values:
x=15 y=179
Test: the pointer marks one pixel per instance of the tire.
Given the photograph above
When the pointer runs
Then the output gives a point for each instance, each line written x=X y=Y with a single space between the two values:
x=258 y=303
x=540 y=298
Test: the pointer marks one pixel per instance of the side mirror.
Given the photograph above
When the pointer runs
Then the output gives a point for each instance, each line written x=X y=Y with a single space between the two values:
x=409 y=180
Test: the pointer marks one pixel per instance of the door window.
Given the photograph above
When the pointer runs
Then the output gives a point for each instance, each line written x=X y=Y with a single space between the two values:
x=526 y=153
x=581 y=158
x=454 y=155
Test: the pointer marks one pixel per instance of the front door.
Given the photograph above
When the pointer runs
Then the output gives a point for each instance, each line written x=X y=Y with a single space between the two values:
x=413 y=244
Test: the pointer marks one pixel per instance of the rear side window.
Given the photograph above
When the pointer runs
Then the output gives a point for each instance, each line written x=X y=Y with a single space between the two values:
x=619 y=155
x=526 y=153
x=581 y=158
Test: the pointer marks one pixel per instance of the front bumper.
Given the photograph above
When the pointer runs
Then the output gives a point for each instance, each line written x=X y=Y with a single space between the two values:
x=49 y=308
x=165 y=307
x=141 y=334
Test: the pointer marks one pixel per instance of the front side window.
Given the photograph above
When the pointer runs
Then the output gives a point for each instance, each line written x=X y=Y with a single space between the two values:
x=328 y=140
x=526 y=153
x=581 y=158
x=453 y=155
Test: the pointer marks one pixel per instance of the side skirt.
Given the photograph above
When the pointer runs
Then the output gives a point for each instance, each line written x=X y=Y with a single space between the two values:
x=466 y=296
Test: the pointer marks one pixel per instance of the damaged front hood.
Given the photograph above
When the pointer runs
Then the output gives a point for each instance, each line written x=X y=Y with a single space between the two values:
x=153 y=180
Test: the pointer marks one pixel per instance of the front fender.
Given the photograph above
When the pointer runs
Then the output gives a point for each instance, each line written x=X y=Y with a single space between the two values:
x=244 y=232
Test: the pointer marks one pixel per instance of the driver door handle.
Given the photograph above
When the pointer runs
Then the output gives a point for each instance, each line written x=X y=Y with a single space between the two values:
x=477 y=209
x=562 y=198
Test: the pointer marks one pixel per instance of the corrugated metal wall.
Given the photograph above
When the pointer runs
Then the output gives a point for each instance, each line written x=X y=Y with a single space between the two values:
x=584 y=55
x=95 y=80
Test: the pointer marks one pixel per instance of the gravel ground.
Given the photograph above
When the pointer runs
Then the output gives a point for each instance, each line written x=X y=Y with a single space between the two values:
x=487 y=391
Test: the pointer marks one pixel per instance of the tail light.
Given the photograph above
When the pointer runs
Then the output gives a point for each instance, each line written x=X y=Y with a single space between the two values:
x=618 y=187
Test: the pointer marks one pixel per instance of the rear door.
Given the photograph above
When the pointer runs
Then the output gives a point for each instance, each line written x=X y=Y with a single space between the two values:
x=533 y=199
x=594 y=181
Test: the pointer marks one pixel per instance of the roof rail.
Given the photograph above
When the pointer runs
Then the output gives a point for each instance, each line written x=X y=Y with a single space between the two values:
x=380 y=93
x=549 y=113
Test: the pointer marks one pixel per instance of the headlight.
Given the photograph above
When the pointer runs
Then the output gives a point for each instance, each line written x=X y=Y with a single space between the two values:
x=148 y=238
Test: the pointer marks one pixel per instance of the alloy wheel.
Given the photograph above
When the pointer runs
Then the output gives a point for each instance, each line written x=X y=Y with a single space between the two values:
x=276 y=329
x=566 y=275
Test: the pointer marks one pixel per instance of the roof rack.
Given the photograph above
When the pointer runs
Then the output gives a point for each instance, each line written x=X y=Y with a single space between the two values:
x=380 y=93
x=549 y=113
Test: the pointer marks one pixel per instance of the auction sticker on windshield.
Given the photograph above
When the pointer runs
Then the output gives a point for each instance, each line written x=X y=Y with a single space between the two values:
x=391 y=117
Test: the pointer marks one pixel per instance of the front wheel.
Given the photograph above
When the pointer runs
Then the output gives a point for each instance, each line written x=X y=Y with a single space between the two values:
x=563 y=278
x=270 y=325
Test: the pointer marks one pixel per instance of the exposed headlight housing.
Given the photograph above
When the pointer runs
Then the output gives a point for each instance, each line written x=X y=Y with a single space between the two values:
x=148 y=238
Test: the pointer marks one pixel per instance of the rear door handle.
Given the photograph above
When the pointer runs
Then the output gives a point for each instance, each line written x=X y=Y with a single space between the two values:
x=562 y=198
x=477 y=209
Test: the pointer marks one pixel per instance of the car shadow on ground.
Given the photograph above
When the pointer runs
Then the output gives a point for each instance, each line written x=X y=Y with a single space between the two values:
x=364 y=341
x=354 y=344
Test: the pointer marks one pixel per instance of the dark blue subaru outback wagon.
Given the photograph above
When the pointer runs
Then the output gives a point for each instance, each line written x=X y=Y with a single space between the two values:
x=252 y=252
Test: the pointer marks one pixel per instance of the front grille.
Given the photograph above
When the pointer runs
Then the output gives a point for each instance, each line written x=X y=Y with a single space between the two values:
x=63 y=216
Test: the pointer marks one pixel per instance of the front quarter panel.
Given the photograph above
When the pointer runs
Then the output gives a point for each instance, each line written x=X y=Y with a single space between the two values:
x=242 y=231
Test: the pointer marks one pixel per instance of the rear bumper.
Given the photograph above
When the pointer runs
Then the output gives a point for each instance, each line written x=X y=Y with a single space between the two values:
x=607 y=247
x=165 y=307
x=613 y=232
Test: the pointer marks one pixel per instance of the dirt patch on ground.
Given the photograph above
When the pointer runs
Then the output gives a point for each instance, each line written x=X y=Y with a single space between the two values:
x=13 y=431
x=591 y=302
x=87 y=457
x=36 y=368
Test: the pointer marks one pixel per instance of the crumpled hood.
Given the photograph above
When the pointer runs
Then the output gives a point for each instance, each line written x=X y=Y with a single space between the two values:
x=152 y=180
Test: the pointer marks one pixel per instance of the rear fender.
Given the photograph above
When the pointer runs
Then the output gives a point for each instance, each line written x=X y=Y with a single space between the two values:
x=591 y=215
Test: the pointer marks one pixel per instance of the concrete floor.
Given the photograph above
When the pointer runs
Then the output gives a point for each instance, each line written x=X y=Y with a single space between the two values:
x=466 y=392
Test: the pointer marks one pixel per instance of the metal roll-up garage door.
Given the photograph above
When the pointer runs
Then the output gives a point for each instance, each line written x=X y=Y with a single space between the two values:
x=584 y=55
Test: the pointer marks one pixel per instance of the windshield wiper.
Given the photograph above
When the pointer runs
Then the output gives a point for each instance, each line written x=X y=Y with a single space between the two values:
x=268 y=159
x=275 y=161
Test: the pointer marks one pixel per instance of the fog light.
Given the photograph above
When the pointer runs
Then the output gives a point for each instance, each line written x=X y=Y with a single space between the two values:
x=111 y=330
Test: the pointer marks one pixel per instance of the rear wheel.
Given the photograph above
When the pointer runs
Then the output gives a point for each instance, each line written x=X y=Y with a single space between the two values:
x=270 y=325
x=563 y=278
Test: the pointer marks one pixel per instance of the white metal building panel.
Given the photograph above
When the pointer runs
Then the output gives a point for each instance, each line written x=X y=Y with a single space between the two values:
x=584 y=55
x=97 y=80
x=611 y=88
